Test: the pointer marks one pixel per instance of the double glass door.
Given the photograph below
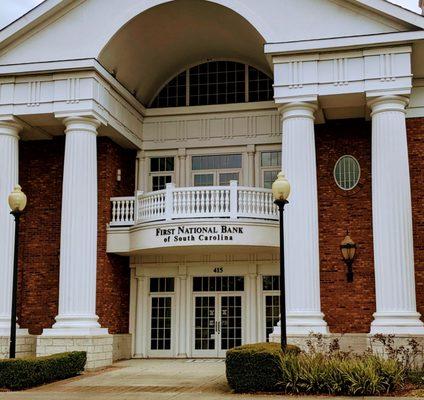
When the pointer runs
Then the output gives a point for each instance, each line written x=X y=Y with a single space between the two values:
x=218 y=324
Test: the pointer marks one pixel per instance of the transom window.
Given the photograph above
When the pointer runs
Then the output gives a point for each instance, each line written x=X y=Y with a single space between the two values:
x=218 y=284
x=347 y=172
x=161 y=172
x=161 y=285
x=215 y=82
x=271 y=166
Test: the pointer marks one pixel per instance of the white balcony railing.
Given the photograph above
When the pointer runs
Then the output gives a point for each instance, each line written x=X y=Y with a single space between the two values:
x=232 y=202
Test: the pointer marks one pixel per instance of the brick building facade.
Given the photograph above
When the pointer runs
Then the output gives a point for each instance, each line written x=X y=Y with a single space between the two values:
x=150 y=229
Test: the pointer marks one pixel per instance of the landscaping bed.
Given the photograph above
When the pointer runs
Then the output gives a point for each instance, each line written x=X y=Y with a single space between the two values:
x=18 y=374
x=264 y=367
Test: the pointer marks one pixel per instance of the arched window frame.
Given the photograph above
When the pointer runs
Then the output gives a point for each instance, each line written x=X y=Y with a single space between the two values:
x=184 y=75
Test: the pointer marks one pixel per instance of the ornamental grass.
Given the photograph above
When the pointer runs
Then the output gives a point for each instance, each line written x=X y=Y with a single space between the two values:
x=264 y=368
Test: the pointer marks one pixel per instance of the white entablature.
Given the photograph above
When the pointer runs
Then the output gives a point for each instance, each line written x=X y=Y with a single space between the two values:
x=374 y=71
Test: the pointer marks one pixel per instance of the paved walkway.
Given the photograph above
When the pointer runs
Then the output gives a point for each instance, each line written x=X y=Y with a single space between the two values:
x=145 y=380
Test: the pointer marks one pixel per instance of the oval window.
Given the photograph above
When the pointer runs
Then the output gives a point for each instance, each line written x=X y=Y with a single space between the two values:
x=347 y=172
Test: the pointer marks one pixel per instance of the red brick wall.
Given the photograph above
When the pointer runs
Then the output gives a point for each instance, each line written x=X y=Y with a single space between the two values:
x=40 y=175
x=348 y=307
x=113 y=272
x=41 y=171
x=416 y=159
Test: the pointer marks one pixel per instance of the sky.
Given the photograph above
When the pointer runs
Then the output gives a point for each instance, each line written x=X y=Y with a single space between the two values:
x=13 y=9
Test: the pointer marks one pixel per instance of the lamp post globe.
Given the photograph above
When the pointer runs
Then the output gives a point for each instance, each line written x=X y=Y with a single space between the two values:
x=17 y=199
x=281 y=192
x=17 y=203
x=281 y=188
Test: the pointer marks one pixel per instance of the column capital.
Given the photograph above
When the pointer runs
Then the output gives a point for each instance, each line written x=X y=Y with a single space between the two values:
x=298 y=110
x=388 y=103
x=81 y=124
x=9 y=125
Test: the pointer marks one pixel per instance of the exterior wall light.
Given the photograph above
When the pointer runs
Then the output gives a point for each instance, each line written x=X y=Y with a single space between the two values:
x=17 y=203
x=348 y=249
x=281 y=192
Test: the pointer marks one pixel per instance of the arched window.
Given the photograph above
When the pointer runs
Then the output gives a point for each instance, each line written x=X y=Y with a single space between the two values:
x=215 y=82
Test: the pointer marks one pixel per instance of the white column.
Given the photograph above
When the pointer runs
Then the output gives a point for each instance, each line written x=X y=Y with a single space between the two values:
x=9 y=156
x=251 y=165
x=142 y=172
x=78 y=247
x=301 y=237
x=141 y=331
x=392 y=221
x=182 y=168
x=182 y=349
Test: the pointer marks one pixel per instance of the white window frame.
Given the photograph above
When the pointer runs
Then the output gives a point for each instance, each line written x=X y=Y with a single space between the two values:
x=359 y=175
x=216 y=173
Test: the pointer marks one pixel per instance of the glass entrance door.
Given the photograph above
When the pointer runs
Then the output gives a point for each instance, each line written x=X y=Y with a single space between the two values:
x=217 y=324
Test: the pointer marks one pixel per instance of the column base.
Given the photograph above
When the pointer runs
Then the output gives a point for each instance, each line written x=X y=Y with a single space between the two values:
x=99 y=348
x=395 y=323
x=75 y=326
x=25 y=344
x=301 y=323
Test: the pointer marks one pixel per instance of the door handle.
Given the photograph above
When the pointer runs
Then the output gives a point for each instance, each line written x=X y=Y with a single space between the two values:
x=219 y=327
x=216 y=326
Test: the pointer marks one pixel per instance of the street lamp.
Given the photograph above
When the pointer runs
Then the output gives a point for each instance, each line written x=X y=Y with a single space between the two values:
x=281 y=192
x=17 y=203
x=348 y=249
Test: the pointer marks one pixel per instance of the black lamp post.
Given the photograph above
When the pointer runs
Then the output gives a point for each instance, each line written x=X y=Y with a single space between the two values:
x=348 y=249
x=17 y=203
x=281 y=192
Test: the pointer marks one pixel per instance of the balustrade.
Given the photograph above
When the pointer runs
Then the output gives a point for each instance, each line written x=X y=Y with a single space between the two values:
x=232 y=202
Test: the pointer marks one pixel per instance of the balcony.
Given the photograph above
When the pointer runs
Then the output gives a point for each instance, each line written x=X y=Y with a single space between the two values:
x=231 y=202
x=193 y=216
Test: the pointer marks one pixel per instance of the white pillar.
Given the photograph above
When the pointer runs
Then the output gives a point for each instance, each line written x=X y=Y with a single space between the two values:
x=303 y=303
x=9 y=156
x=392 y=221
x=78 y=247
x=182 y=168
x=182 y=349
x=251 y=165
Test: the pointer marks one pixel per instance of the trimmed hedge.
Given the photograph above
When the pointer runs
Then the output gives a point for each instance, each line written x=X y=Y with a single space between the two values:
x=18 y=374
x=256 y=367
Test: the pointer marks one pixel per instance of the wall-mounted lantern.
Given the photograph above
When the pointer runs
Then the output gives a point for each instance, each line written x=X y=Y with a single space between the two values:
x=348 y=249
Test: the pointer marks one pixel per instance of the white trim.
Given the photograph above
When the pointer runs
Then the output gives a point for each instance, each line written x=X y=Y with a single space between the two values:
x=348 y=42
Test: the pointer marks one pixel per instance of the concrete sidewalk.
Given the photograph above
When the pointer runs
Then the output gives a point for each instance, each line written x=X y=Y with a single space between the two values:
x=145 y=380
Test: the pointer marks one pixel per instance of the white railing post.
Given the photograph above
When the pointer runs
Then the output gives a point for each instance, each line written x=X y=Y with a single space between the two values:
x=169 y=201
x=138 y=194
x=233 y=200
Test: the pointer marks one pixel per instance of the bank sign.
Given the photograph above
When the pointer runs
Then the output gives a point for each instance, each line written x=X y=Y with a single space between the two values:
x=203 y=234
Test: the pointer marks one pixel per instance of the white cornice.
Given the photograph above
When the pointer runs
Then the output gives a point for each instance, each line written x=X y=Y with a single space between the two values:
x=72 y=66
x=350 y=42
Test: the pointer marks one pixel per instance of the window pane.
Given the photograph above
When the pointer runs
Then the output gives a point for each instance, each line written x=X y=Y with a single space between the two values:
x=173 y=94
x=222 y=161
x=224 y=179
x=271 y=159
x=161 y=285
x=159 y=182
x=260 y=86
x=203 y=180
x=162 y=164
x=347 y=172
x=269 y=178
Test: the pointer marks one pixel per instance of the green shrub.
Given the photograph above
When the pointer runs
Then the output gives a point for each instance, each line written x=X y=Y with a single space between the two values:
x=263 y=368
x=17 y=374
x=255 y=367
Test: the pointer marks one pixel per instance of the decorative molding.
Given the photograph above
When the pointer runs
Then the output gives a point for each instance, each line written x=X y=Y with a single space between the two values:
x=34 y=93
x=382 y=70
x=217 y=129
x=82 y=93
